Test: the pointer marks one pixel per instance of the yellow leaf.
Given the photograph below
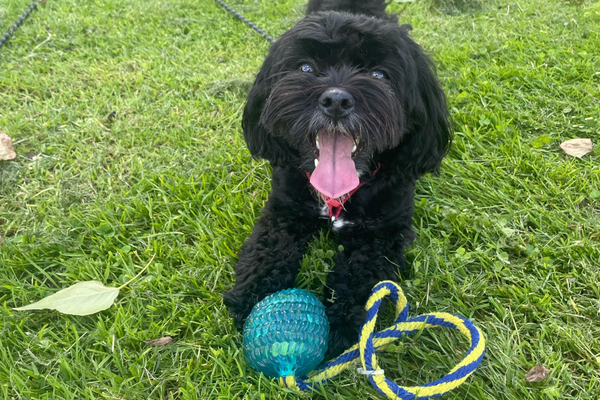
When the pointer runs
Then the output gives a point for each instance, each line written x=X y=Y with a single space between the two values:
x=577 y=147
x=537 y=373
x=163 y=341
x=6 y=147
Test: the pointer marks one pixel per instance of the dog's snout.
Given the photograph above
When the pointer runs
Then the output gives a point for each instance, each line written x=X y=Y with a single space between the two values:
x=336 y=102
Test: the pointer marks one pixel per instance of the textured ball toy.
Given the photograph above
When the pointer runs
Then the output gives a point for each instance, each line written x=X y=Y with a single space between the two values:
x=286 y=334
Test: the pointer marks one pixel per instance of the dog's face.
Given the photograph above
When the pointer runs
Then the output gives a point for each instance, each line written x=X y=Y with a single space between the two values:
x=338 y=94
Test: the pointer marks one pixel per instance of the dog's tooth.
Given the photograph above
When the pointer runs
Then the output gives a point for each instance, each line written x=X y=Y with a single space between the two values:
x=316 y=163
x=317 y=142
x=354 y=148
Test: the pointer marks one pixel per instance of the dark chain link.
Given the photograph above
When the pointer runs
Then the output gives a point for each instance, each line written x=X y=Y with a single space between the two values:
x=4 y=38
x=19 y=22
x=247 y=21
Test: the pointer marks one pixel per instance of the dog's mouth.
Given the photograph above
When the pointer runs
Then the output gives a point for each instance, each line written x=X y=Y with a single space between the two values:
x=335 y=173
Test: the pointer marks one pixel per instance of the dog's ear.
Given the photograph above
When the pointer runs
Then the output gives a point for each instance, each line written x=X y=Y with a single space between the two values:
x=428 y=132
x=260 y=142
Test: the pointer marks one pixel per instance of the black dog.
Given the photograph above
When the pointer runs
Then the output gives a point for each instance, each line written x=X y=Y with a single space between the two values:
x=345 y=104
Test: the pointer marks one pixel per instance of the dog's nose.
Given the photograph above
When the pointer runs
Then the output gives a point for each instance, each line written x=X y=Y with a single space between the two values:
x=336 y=103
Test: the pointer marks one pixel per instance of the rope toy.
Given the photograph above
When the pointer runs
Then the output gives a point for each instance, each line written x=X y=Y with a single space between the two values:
x=369 y=342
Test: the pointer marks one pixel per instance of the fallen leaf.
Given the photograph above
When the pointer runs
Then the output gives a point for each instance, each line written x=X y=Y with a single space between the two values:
x=6 y=147
x=163 y=341
x=577 y=147
x=537 y=373
x=83 y=298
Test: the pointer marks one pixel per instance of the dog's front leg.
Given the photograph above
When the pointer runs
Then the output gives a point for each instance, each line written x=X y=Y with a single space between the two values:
x=365 y=260
x=269 y=261
x=270 y=257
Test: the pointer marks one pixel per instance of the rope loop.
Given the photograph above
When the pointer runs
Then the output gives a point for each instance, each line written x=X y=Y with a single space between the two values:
x=370 y=342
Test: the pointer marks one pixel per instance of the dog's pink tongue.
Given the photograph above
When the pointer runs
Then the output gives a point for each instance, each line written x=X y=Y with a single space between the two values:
x=335 y=174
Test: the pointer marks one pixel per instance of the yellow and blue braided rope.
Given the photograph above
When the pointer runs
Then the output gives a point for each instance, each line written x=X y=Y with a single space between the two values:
x=369 y=342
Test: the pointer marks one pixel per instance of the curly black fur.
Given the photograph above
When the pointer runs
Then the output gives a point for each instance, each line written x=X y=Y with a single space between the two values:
x=373 y=8
x=402 y=125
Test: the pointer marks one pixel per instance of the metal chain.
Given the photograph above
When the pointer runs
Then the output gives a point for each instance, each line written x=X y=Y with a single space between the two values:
x=19 y=22
x=4 y=38
x=247 y=21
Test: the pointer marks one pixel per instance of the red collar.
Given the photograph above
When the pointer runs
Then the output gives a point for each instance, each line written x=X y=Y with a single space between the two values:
x=337 y=205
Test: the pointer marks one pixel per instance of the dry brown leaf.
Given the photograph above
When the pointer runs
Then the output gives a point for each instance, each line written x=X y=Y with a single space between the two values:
x=6 y=147
x=577 y=147
x=163 y=341
x=537 y=373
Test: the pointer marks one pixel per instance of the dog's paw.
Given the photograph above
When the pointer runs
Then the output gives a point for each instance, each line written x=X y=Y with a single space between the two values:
x=238 y=308
x=340 y=340
x=343 y=328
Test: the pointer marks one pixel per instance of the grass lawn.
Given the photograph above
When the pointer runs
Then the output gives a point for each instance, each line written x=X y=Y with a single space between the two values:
x=127 y=125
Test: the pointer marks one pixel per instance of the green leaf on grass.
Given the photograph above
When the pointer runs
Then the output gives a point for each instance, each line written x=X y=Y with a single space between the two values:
x=83 y=298
x=540 y=141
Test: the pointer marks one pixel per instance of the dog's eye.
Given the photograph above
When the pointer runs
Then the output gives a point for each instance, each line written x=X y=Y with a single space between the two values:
x=377 y=74
x=307 y=68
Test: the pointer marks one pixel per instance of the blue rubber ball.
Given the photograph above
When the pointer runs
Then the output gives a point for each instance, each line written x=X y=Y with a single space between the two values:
x=286 y=334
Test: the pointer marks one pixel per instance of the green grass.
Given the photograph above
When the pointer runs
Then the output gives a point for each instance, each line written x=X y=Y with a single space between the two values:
x=508 y=235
